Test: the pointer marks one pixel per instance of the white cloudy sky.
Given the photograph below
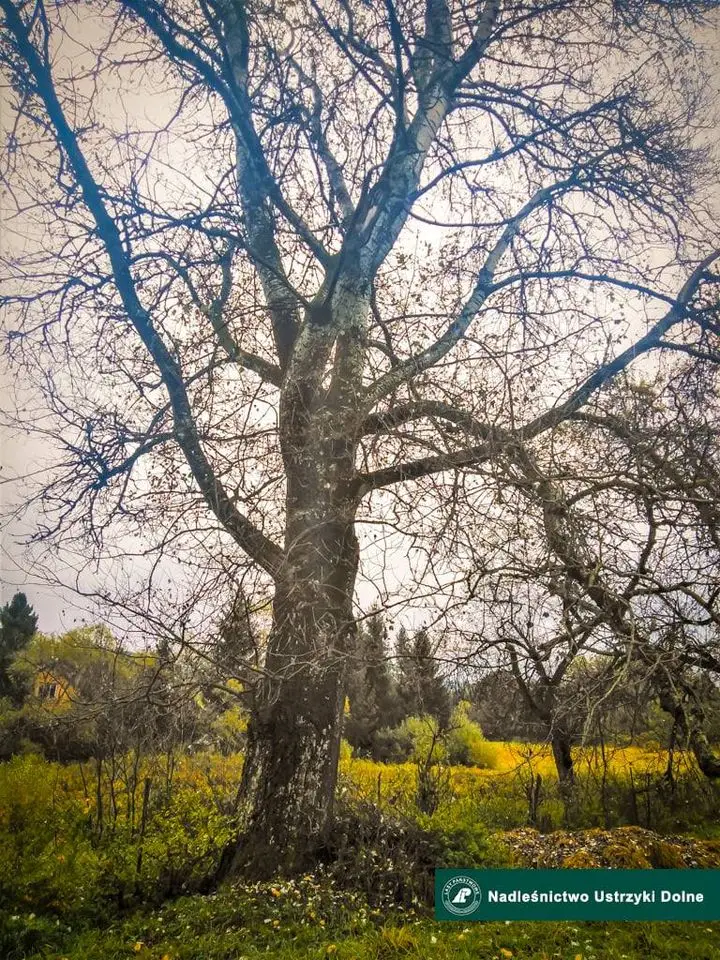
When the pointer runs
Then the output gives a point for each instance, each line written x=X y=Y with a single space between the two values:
x=27 y=455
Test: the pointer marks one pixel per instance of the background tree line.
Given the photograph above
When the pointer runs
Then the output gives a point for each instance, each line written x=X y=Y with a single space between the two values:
x=84 y=696
x=442 y=274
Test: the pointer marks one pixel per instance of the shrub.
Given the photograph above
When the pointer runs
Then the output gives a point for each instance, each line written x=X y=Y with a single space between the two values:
x=391 y=858
x=46 y=854
x=392 y=745
x=462 y=840
x=466 y=743
x=428 y=741
x=421 y=740
x=183 y=842
x=57 y=853
x=229 y=729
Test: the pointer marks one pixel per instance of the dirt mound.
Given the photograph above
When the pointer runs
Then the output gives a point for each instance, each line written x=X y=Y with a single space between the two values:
x=623 y=847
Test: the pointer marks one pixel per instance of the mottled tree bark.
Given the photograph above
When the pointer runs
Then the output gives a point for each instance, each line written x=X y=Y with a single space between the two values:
x=677 y=698
x=294 y=733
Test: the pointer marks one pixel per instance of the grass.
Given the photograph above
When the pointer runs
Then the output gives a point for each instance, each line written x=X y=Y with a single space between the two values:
x=60 y=879
x=311 y=922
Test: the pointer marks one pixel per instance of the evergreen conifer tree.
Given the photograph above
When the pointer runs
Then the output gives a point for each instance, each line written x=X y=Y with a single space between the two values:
x=371 y=690
x=18 y=622
x=422 y=691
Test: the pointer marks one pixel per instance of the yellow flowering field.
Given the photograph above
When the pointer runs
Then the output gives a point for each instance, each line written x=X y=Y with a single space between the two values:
x=509 y=760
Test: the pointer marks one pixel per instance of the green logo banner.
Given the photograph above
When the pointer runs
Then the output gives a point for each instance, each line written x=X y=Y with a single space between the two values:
x=577 y=895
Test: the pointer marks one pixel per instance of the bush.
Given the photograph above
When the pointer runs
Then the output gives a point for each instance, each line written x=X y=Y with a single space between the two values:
x=466 y=743
x=392 y=745
x=57 y=853
x=428 y=741
x=46 y=854
x=391 y=858
x=229 y=729
x=421 y=740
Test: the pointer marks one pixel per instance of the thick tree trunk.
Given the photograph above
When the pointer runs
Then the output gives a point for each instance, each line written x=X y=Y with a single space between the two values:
x=293 y=746
x=562 y=754
x=705 y=756
x=677 y=697
x=291 y=762
x=290 y=771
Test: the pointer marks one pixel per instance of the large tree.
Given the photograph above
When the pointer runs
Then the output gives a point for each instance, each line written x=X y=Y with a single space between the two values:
x=371 y=688
x=287 y=267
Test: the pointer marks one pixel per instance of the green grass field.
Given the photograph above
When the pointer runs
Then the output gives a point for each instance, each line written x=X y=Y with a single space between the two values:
x=72 y=886
x=266 y=921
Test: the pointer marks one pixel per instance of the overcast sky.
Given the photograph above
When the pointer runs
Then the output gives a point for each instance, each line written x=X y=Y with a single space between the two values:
x=25 y=454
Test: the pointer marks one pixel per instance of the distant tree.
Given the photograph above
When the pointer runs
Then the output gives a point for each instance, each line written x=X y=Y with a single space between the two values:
x=402 y=651
x=18 y=622
x=372 y=694
x=422 y=691
x=500 y=709
x=609 y=599
x=236 y=649
x=230 y=670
